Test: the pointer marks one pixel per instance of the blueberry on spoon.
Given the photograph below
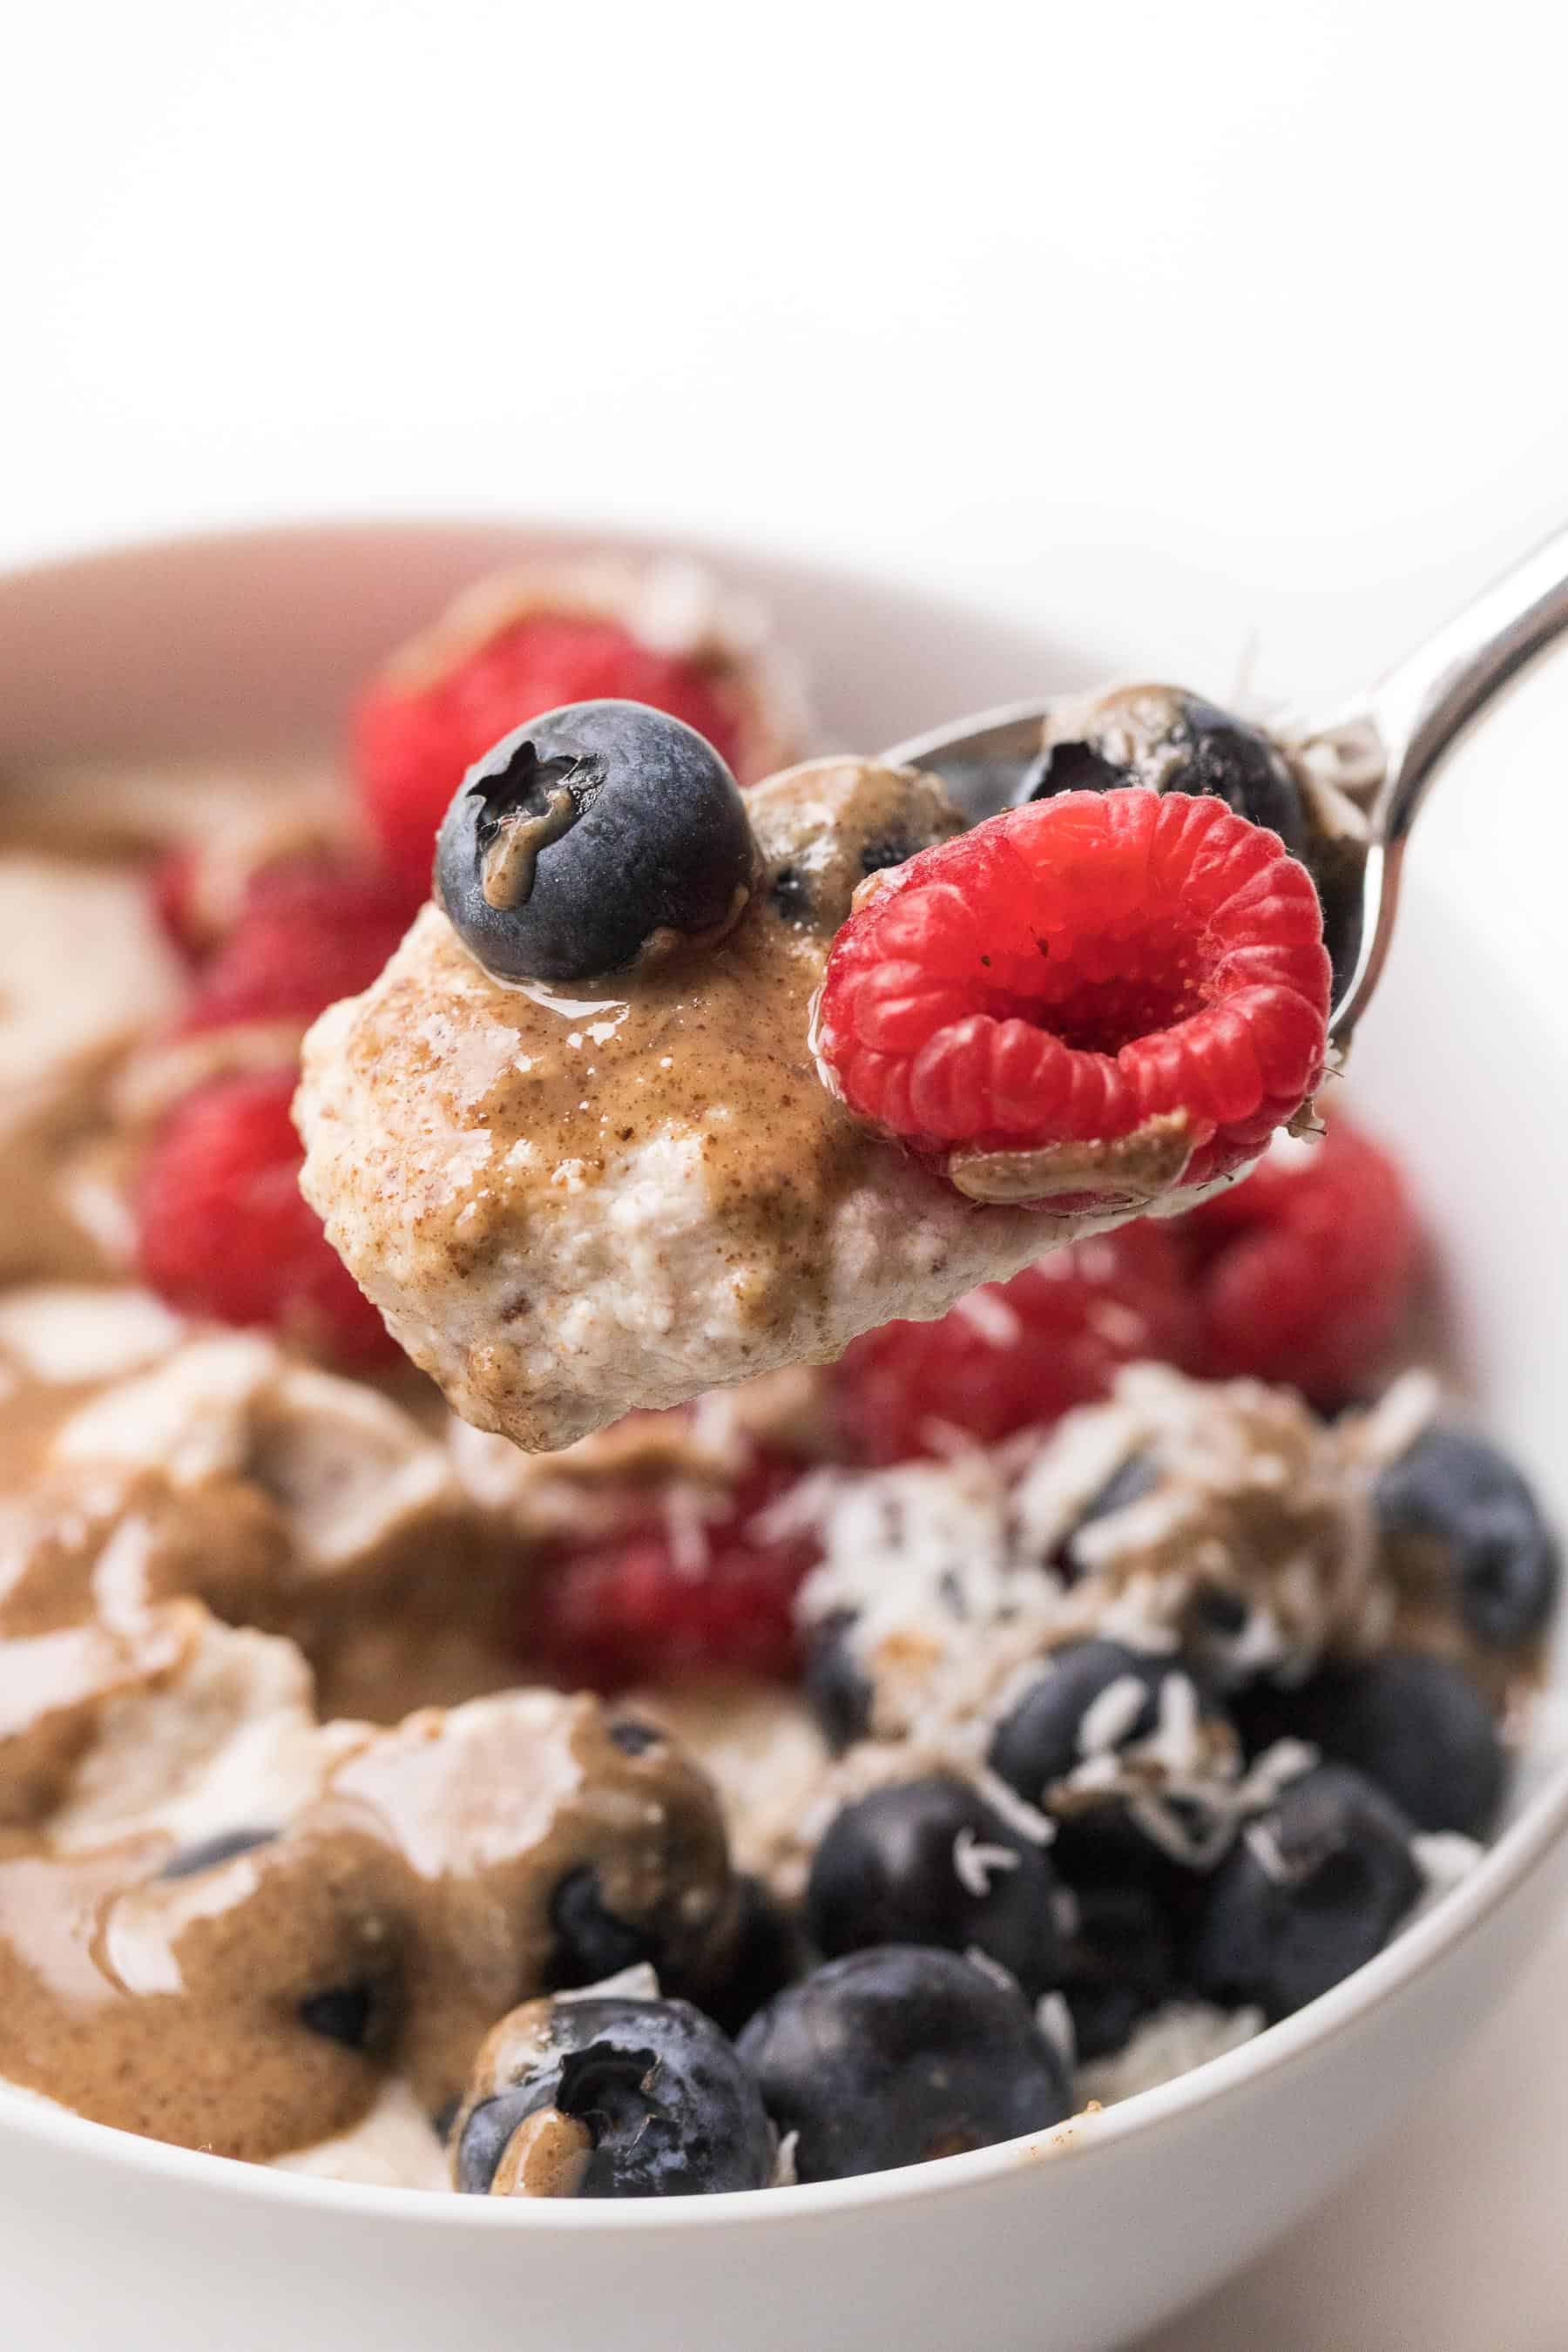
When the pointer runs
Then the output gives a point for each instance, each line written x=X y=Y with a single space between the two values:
x=592 y=836
x=1170 y=741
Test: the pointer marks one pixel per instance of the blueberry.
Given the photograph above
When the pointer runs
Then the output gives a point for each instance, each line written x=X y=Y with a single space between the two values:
x=1098 y=1699
x=1217 y=1613
x=1065 y=1716
x=207 y=1852
x=1106 y=1848
x=1414 y=1724
x=1120 y=1963
x=632 y=1736
x=344 y=2013
x=766 y=1954
x=590 y=1942
x=611 y=2098
x=929 y=1862
x=1137 y=1476
x=1171 y=741
x=1043 y=1738
x=844 y=819
x=899 y=2053
x=838 y=1690
x=584 y=834
x=1461 y=1495
x=789 y=893
x=1312 y=1889
x=1228 y=1636
x=361 y=2013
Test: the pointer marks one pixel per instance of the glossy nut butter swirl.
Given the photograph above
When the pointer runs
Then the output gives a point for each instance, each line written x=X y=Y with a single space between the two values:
x=397 y=1892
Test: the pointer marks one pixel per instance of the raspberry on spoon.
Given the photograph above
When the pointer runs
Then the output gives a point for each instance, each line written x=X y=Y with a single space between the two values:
x=1096 y=998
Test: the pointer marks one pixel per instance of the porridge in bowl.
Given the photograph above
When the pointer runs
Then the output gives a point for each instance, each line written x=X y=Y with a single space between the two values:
x=844 y=1766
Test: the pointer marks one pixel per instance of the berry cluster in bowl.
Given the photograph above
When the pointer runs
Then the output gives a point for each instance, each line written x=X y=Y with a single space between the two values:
x=871 y=1761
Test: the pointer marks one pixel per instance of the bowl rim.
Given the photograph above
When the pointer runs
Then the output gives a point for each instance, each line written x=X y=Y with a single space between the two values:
x=1504 y=1868
x=1523 y=1849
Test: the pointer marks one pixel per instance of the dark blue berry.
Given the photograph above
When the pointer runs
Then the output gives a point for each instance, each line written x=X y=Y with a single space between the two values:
x=1051 y=1729
x=767 y=1952
x=590 y=1942
x=899 y=2053
x=357 y=2015
x=837 y=1689
x=209 y=1852
x=652 y=2092
x=632 y=1736
x=1137 y=1476
x=586 y=832
x=1313 y=1888
x=1106 y=1845
x=1460 y=1494
x=1060 y=1720
x=1040 y=1742
x=1414 y=1724
x=672 y=1916
x=1217 y=1613
x=929 y=1862
x=1120 y=1963
x=1172 y=742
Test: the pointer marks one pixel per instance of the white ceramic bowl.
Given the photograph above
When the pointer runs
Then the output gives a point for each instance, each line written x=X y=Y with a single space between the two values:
x=1067 y=2243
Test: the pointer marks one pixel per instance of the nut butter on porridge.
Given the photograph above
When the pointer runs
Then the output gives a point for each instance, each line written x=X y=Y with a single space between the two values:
x=567 y=1205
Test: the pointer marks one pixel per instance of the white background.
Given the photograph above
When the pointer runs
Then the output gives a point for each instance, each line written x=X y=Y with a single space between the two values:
x=1182 y=328
x=1178 y=322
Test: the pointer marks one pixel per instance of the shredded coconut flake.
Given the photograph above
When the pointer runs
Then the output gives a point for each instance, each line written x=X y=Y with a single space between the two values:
x=974 y=1864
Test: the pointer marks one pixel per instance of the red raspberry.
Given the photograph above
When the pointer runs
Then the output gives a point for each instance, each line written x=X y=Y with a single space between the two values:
x=311 y=931
x=174 y=882
x=1304 y=1272
x=639 y=1609
x=1019 y=1354
x=1085 y=971
x=223 y=1231
x=413 y=745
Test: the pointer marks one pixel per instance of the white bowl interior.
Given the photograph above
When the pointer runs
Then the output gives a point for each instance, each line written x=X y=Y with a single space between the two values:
x=231 y=644
x=1465 y=1058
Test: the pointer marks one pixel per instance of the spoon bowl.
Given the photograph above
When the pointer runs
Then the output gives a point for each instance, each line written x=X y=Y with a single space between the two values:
x=1377 y=758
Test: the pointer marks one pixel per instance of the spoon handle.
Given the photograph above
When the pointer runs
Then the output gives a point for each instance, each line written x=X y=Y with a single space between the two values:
x=1422 y=705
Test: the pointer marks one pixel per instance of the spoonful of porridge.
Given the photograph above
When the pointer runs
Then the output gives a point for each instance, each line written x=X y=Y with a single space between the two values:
x=673 y=1084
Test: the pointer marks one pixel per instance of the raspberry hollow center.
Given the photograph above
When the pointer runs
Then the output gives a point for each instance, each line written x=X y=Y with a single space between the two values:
x=1071 y=970
x=1158 y=984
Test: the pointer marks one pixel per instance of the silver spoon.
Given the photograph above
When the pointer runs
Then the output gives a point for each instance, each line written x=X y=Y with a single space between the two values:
x=1392 y=739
